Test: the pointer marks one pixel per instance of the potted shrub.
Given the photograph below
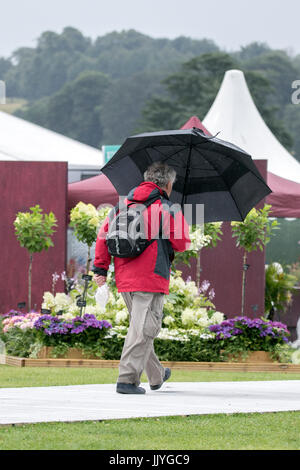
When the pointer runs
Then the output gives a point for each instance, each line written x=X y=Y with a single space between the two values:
x=33 y=230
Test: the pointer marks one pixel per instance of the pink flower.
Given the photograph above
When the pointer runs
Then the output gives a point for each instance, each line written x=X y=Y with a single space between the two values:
x=204 y=286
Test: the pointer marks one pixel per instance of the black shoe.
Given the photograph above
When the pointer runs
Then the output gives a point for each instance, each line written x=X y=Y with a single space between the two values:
x=166 y=377
x=129 y=388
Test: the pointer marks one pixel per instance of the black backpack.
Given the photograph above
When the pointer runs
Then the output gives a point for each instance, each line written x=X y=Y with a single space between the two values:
x=126 y=235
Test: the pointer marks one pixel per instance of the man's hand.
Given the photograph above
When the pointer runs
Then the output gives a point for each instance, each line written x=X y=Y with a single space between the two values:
x=100 y=280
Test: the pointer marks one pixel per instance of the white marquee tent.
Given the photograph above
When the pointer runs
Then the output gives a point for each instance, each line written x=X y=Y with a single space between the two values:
x=235 y=115
x=21 y=140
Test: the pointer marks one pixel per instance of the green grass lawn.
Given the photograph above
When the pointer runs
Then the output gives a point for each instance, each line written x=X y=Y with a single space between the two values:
x=278 y=431
x=242 y=431
x=48 y=376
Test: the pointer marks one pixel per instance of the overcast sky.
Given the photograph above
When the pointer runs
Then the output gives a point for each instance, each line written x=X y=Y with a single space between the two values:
x=230 y=23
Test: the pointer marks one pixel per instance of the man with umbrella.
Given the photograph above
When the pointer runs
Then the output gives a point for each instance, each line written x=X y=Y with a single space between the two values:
x=143 y=280
x=210 y=173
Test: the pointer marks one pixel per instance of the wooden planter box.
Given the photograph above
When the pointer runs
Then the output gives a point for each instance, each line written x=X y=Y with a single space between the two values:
x=253 y=356
x=73 y=353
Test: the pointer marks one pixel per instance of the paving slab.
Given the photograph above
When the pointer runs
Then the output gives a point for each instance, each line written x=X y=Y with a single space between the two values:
x=101 y=402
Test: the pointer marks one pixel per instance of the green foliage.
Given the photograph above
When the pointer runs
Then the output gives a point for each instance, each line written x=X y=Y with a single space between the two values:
x=34 y=229
x=190 y=91
x=18 y=342
x=199 y=239
x=74 y=110
x=278 y=288
x=284 y=248
x=151 y=83
x=294 y=270
x=255 y=231
x=85 y=220
x=213 y=230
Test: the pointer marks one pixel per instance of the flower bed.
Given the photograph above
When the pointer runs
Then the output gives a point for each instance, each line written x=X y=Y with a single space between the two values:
x=26 y=334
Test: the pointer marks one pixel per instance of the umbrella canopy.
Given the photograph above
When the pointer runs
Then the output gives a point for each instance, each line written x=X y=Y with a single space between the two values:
x=209 y=171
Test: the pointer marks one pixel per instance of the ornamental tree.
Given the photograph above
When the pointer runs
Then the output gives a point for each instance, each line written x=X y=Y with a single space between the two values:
x=252 y=234
x=33 y=230
x=85 y=219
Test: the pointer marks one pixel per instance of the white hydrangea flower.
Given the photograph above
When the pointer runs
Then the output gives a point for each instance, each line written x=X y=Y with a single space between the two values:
x=68 y=316
x=62 y=301
x=74 y=310
x=121 y=316
x=49 y=301
x=188 y=316
x=168 y=320
x=295 y=357
x=203 y=322
x=120 y=303
x=177 y=284
x=217 y=317
x=198 y=239
x=192 y=288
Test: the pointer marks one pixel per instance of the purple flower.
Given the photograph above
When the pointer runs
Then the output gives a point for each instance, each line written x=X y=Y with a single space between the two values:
x=211 y=294
x=54 y=325
x=250 y=328
x=204 y=286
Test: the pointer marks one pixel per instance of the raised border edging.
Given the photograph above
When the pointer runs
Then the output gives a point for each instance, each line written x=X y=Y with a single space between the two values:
x=213 y=366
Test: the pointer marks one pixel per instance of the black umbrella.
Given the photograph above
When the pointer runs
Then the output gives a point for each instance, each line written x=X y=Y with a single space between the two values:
x=209 y=171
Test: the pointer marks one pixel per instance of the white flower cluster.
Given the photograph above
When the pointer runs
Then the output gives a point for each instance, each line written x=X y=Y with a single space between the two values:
x=199 y=317
x=56 y=303
x=182 y=335
x=120 y=331
x=198 y=239
x=295 y=357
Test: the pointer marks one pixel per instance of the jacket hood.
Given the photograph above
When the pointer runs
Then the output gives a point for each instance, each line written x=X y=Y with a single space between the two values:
x=146 y=191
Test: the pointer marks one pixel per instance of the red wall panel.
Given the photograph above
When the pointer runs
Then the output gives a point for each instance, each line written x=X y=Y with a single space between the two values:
x=23 y=185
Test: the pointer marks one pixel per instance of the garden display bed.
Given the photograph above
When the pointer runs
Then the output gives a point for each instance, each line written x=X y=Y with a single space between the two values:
x=213 y=366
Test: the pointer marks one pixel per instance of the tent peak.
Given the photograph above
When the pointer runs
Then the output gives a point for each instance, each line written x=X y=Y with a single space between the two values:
x=235 y=115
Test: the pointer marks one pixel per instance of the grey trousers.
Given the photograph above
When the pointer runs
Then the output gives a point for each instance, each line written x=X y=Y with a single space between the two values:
x=145 y=318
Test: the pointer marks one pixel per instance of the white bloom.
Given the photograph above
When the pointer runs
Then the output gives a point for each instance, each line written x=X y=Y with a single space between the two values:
x=203 y=320
x=192 y=288
x=62 y=301
x=278 y=268
x=168 y=320
x=121 y=316
x=206 y=336
x=198 y=239
x=188 y=316
x=49 y=301
x=74 y=310
x=217 y=317
x=295 y=357
x=68 y=316
x=120 y=303
x=177 y=284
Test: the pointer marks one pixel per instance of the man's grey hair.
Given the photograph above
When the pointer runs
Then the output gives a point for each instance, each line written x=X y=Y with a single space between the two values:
x=160 y=173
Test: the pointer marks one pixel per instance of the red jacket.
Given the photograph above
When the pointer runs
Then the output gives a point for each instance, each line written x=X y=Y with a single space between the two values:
x=150 y=271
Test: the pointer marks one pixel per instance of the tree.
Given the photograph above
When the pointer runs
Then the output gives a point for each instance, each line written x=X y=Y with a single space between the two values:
x=252 y=234
x=191 y=90
x=75 y=110
x=34 y=230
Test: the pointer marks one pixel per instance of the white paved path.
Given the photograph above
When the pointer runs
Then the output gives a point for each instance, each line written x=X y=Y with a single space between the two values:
x=98 y=402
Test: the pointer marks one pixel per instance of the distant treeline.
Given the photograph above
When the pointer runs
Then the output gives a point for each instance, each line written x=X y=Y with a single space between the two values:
x=101 y=91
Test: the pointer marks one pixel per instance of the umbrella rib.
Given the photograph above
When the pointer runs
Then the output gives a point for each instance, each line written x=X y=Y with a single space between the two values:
x=223 y=180
x=169 y=156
